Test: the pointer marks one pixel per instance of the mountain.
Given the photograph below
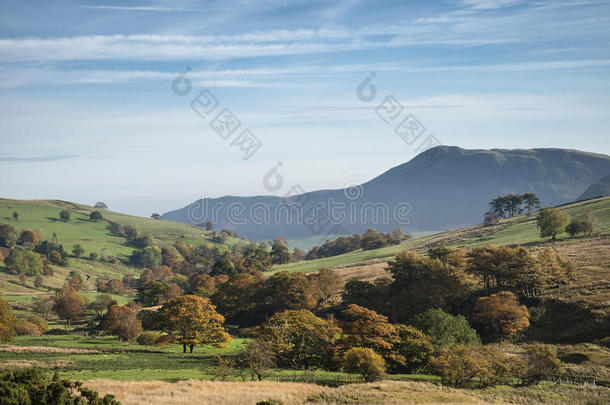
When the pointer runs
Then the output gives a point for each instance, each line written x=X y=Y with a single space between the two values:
x=599 y=189
x=445 y=187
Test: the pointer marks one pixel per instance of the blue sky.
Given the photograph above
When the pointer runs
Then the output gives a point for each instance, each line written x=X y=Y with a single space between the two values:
x=87 y=112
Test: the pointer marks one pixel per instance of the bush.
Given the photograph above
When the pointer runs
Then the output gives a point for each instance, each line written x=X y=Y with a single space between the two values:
x=40 y=322
x=365 y=362
x=164 y=340
x=542 y=363
x=32 y=386
x=25 y=328
x=468 y=366
x=148 y=338
x=270 y=402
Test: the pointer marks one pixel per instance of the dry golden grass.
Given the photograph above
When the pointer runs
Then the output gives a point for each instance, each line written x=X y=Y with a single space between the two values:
x=385 y=392
x=204 y=392
x=36 y=363
x=45 y=350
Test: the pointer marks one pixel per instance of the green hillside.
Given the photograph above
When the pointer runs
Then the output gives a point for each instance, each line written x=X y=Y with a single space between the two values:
x=520 y=230
x=43 y=217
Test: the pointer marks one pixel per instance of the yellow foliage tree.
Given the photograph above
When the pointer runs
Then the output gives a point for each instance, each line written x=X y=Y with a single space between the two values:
x=193 y=320
x=501 y=316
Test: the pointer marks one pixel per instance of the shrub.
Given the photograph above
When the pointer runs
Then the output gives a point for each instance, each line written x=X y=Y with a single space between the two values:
x=164 y=340
x=25 y=328
x=365 y=362
x=148 y=338
x=40 y=322
x=541 y=363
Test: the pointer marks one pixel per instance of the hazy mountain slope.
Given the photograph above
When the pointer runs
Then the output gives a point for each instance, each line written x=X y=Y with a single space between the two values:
x=601 y=188
x=442 y=188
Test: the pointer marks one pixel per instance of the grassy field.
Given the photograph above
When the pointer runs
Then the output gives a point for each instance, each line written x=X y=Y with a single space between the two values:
x=519 y=230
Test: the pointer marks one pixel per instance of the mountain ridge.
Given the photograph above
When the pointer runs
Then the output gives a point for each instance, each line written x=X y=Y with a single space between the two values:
x=468 y=178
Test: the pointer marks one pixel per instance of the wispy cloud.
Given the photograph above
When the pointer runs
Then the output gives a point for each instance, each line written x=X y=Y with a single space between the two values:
x=9 y=159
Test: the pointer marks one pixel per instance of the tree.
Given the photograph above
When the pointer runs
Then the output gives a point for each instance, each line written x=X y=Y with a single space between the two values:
x=499 y=206
x=27 y=262
x=100 y=205
x=500 y=316
x=27 y=236
x=279 y=252
x=514 y=202
x=131 y=231
x=121 y=321
x=257 y=257
x=490 y=218
x=531 y=202
x=591 y=223
x=366 y=328
x=93 y=256
x=75 y=280
x=192 y=320
x=96 y=216
x=258 y=358
x=64 y=215
x=101 y=304
x=224 y=266
x=38 y=281
x=412 y=350
x=421 y=283
x=445 y=330
x=373 y=239
x=552 y=222
x=300 y=339
x=147 y=257
x=327 y=281
x=68 y=304
x=157 y=292
x=209 y=226
x=365 y=362
x=77 y=250
x=8 y=322
x=8 y=236
x=155 y=215
x=15 y=215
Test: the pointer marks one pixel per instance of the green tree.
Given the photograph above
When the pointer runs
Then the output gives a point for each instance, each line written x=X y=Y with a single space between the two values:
x=77 y=250
x=8 y=236
x=300 y=339
x=412 y=350
x=279 y=252
x=96 y=216
x=27 y=236
x=15 y=215
x=26 y=262
x=551 y=222
x=531 y=202
x=147 y=257
x=365 y=362
x=444 y=329
x=64 y=215
x=192 y=320
x=8 y=322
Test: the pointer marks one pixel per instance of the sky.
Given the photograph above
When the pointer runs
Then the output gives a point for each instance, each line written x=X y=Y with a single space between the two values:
x=93 y=107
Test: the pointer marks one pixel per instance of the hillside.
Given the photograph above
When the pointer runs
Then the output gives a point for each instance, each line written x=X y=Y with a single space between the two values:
x=42 y=216
x=414 y=195
x=598 y=189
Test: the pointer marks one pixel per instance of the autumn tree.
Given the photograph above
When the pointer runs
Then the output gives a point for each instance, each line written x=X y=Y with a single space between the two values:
x=121 y=321
x=541 y=363
x=500 y=316
x=327 y=281
x=68 y=304
x=8 y=322
x=366 y=328
x=192 y=320
x=75 y=280
x=551 y=222
x=365 y=362
x=421 y=283
x=300 y=339
x=27 y=237
x=101 y=304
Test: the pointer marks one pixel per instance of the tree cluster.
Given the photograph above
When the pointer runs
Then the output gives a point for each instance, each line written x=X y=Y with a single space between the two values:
x=371 y=239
